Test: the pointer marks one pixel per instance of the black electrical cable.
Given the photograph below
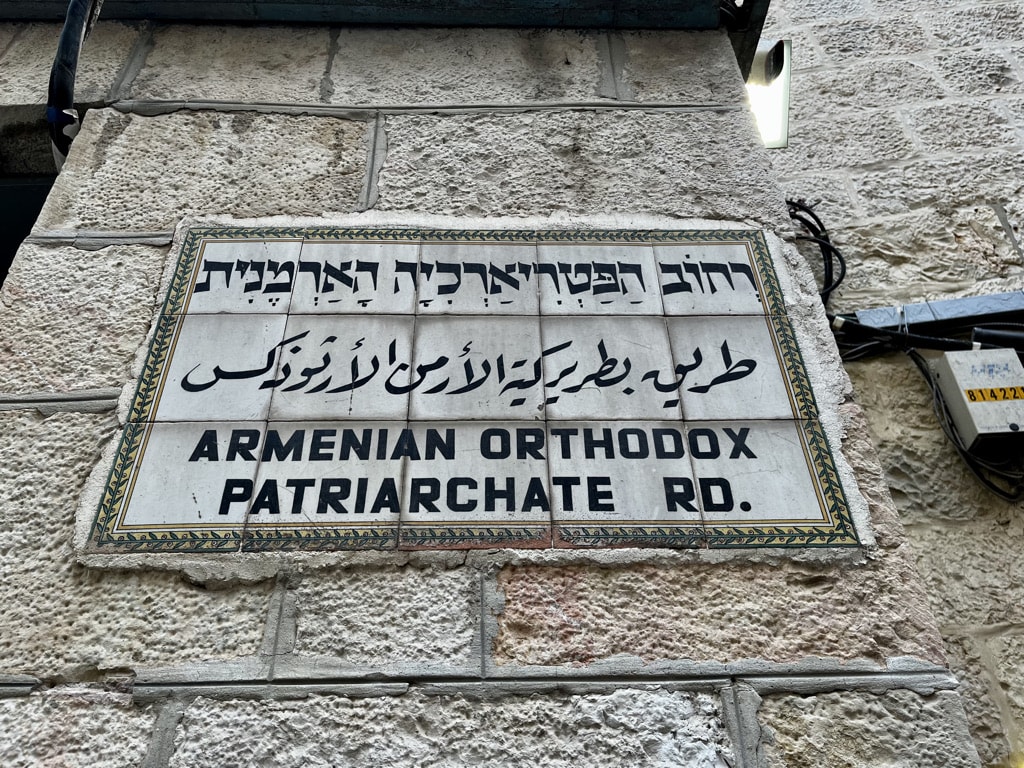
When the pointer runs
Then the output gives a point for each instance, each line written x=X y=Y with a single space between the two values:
x=857 y=341
x=1001 y=472
x=61 y=114
x=833 y=263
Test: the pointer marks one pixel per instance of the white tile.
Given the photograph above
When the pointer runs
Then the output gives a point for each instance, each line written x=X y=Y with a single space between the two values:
x=329 y=476
x=735 y=373
x=708 y=279
x=194 y=476
x=218 y=365
x=478 y=278
x=621 y=474
x=344 y=367
x=356 y=277
x=485 y=484
x=608 y=367
x=247 y=276
x=607 y=279
x=753 y=472
x=477 y=368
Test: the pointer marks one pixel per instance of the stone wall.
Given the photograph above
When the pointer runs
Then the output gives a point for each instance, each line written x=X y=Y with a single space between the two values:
x=639 y=657
x=907 y=131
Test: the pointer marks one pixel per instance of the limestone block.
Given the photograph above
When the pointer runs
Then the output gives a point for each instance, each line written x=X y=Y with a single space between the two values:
x=127 y=172
x=845 y=42
x=862 y=84
x=828 y=192
x=979 y=73
x=73 y=727
x=26 y=60
x=683 y=68
x=902 y=7
x=944 y=182
x=462 y=66
x=722 y=612
x=63 y=621
x=860 y=730
x=377 y=617
x=816 y=10
x=922 y=255
x=234 y=63
x=704 y=164
x=845 y=140
x=1008 y=649
x=972 y=570
x=73 y=319
x=627 y=727
x=961 y=127
x=962 y=27
x=983 y=716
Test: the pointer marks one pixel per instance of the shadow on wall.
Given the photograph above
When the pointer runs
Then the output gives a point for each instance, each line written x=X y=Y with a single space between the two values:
x=21 y=199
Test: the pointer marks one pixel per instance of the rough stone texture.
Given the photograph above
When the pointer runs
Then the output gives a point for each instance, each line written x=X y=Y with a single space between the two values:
x=127 y=172
x=143 y=173
x=844 y=41
x=831 y=194
x=381 y=616
x=679 y=164
x=979 y=694
x=462 y=66
x=51 y=293
x=817 y=10
x=865 y=83
x=918 y=460
x=940 y=219
x=969 y=568
x=962 y=27
x=1008 y=649
x=969 y=244
x=27 y=57
x=861 y=730
x=780 y=612
x=979 y=73
x=869 y=136
x=282 y=64
x=979 y=125
x=943 y=182
x=628 y=727
x=682 y=67
x=63 y=621
x=73 y=727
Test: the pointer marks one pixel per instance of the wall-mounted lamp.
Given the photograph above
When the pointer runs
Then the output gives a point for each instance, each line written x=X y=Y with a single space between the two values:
x=768 y=91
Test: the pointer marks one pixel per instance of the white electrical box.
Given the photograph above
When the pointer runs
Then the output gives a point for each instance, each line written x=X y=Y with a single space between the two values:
x=984 y=392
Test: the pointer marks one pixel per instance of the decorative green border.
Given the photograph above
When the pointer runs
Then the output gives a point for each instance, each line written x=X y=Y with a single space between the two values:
x=106 y=535
x=676 y=537
x=327 y=539
x=840 y=533
x=456 y=537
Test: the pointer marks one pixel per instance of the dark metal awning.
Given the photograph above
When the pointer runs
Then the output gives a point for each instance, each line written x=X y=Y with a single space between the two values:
x=743 y=18
x=666 y=14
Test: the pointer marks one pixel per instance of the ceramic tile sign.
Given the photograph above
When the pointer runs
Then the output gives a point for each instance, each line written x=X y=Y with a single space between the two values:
x=338 y=389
